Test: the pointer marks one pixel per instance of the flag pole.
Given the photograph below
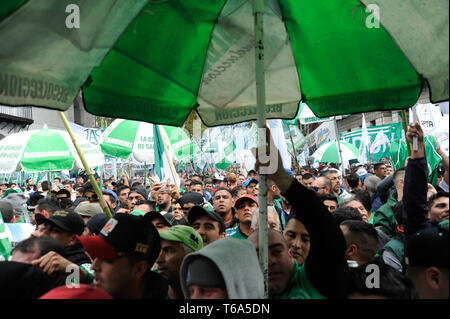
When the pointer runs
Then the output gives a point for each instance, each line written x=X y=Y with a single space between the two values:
x=258 y=12
x=168 y=156
x=339 y=145
x=97 y=190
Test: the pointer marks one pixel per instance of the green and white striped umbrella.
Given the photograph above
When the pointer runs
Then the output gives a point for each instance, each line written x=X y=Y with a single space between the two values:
x=123 y=138
x=329 y=153
x=157 y=61
x=127 y=137
x=45 y=150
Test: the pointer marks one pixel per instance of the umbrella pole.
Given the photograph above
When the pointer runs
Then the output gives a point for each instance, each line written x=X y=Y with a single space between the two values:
x=97 y=190
x=294 y=150
x=339 y=145
x=258 y=12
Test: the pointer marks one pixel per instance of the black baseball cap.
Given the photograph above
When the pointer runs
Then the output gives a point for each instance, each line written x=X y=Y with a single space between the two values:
x=191 y=197
x=66 y=220
x=167 y=218
x=429 y=247
x=198 y=211
x=125 y=235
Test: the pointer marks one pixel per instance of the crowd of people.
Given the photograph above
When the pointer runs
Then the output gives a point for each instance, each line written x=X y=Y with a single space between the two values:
x=373 y=232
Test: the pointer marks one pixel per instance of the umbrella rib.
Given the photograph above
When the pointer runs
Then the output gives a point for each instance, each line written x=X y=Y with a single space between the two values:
x=156 y=71
x=253 y=80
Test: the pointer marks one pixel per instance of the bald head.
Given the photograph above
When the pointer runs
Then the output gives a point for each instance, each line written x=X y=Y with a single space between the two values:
x=272 y=235
x=281 y=263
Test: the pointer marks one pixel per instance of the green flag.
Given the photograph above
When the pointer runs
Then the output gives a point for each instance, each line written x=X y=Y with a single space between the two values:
x=399 y=154
x=159 y=151
x=5 y=244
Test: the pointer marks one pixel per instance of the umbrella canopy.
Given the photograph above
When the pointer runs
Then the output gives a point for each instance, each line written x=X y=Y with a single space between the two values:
x=123 y=138
x=157 y=61
x=45 y=150
x=329 y=153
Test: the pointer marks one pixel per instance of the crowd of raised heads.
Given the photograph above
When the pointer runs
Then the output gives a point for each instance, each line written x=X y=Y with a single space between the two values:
x=370 y=231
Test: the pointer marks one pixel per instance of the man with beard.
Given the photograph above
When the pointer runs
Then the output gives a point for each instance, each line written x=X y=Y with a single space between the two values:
x=223 y=205
x=176 y=243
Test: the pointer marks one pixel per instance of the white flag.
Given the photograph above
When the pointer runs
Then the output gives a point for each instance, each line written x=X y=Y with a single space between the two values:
x=364 y=148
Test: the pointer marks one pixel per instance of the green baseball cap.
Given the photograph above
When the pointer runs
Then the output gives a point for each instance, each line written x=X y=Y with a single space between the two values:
x=185 y=234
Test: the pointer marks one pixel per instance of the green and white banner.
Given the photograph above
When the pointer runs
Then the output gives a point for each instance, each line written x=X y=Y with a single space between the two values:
x=380 y=139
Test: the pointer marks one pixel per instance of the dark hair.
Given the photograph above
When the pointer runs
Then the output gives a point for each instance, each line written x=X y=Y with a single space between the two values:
x=65 y=192
x=7 y=211
x=49 y=204
x=45 y=244
x=196 y=182
x=364 y=235
x=352 y=180
x=436 y=196
x=35 y=198
x=377 y=165
x=197 y=175
x=224 y=189
x=363 y=196
x=46 y=185
x=307 y=176
x=325 y=197
x=65 y=203
x=136 y=184
x=392 y=283
x=67 y=182
x=208 y=181
x=121 y=188
x=346 y=213
x=236 y=189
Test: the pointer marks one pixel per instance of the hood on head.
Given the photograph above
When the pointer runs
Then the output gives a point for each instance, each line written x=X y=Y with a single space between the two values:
x=243 y=281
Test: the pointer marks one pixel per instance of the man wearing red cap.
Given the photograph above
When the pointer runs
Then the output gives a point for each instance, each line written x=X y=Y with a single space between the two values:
x=245 y=207
x=124 y=252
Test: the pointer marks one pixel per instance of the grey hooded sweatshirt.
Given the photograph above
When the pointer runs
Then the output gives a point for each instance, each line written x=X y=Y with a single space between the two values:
x=238 y=263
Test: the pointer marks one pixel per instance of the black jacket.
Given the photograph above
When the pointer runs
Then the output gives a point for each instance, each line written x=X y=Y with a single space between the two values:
x=415 y=189
x=76 y=254
x=156 y=286
x=325 y=266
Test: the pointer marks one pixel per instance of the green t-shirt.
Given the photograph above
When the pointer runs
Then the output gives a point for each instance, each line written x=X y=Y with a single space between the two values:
x=235 y=232
x=299 y=286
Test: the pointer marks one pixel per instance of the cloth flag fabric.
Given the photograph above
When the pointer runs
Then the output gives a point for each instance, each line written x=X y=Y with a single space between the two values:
x=276 y=129
x=399 y=154
x=5 y=244
x=365 y=143
x=162 y=166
